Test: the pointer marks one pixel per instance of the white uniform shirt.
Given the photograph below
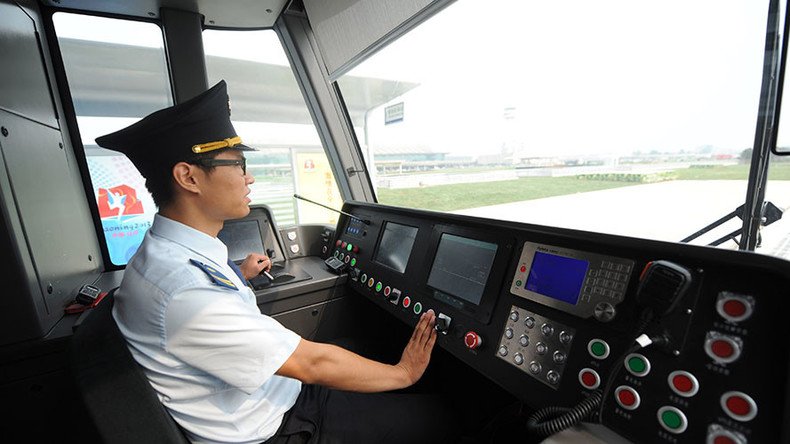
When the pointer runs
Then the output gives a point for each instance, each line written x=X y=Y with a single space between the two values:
x=206 y=349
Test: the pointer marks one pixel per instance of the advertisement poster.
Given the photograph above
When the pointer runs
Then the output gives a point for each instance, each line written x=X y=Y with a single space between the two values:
x=125 y=207
x=314 y=180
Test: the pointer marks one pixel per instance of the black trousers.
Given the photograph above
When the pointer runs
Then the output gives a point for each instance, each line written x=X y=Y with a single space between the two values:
x=326 y=416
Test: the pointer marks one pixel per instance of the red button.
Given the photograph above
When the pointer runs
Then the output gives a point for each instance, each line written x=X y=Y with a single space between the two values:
x=722 y=349
x=723 y=440
x=626 y=398
x=344 y=244
x=406 y=301
x=682 y=383
x=523 y=268
x=738 y=405
x=337 y=244
x=734 y=308
x=589 y=379
x=355 y=249
x=472 y=340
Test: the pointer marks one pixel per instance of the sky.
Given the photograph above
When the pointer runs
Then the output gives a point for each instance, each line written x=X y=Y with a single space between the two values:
x=578 y=77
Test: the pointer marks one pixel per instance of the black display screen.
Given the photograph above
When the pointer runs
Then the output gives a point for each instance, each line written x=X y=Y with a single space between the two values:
x=395 y=246
x=242 y=238
x=557 y=277
x=461 y=267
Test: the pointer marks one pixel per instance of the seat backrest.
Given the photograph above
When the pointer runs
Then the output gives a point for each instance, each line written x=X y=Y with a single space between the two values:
x=117 y=395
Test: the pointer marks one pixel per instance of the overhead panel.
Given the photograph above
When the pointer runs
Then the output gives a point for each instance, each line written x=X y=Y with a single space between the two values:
x=346 y=30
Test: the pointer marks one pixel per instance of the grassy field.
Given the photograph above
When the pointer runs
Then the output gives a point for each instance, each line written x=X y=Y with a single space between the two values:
x=456 y=196
x=777 y=171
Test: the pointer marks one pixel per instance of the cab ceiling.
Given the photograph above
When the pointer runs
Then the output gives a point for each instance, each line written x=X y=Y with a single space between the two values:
x=241 y=14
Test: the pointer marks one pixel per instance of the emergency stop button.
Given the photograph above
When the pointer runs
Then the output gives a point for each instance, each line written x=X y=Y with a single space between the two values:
x=739 y=406
x=472 y=340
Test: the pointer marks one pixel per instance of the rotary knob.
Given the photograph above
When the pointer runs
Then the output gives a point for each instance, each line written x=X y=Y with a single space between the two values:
x=472 y=340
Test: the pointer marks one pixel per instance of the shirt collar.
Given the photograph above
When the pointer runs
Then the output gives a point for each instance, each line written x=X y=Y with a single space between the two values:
x=191 y=239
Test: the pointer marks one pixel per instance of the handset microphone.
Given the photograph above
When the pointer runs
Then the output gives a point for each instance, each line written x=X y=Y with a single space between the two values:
x=364 y=221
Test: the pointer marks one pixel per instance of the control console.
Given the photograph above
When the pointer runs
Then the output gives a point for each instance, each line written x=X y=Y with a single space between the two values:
x=552 y=316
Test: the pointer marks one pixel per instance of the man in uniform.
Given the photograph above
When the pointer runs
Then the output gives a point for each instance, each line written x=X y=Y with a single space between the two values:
x=224 y=371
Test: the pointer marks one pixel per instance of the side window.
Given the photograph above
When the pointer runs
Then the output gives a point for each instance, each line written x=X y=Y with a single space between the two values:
x=269 y=114
x=117 y=74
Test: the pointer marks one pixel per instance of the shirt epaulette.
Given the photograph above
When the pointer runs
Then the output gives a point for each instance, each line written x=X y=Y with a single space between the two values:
x=216 y=277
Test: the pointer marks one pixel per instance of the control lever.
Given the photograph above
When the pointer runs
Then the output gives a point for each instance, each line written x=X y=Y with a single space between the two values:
x=443 y=323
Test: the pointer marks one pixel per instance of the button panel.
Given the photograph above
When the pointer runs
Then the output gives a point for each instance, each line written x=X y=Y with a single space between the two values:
x=540 y=342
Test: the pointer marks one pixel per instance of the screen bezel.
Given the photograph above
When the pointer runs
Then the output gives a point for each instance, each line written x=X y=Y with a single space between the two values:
x=481 y=312
x=230 y=226
x=268 y=229
x=376 y=251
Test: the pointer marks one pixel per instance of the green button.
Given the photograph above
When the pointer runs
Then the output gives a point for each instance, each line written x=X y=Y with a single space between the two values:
x=353 y=261
x=417 y=308
x=598 y=348
x=637 y=364
x=671 y=419
x=518 y=283
x=378 y=286
x=349 y=247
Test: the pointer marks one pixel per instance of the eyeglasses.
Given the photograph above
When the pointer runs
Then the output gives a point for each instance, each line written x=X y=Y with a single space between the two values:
x=223 y=162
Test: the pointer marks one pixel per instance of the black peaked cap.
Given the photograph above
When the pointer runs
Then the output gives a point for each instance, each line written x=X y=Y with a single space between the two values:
x=166 y=137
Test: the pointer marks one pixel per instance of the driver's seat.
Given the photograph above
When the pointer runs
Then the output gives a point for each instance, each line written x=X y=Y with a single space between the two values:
x=116 y=393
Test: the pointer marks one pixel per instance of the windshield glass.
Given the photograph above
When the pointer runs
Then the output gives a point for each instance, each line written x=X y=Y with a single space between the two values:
x=631 y=118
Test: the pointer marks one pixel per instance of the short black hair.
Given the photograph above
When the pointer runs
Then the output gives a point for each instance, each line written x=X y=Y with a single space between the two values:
x=160 y=182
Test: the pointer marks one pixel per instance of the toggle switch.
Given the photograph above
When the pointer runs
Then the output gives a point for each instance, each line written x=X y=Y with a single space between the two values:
x=443 y=323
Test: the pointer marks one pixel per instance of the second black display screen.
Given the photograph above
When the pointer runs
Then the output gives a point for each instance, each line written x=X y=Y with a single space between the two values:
x=461 y=267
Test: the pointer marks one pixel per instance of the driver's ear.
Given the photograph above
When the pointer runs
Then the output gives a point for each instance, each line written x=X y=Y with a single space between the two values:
x=186 y=176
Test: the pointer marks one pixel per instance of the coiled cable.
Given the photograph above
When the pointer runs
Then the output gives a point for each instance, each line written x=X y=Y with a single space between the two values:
x=550 y=420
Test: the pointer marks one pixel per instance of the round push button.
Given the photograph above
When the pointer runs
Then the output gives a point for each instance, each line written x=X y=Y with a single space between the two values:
x=672 y=419
x=472 y=340
x=589 y=378
x=406 y=302
x=637 y=364
x=719 y=435
x=627 y=397
x=739 y=406
x=722 y=348
x=683 y=383
x=598 y=349
x=734 y=307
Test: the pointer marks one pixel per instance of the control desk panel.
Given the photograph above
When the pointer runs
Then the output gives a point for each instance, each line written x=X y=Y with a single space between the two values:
x=552 y=316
